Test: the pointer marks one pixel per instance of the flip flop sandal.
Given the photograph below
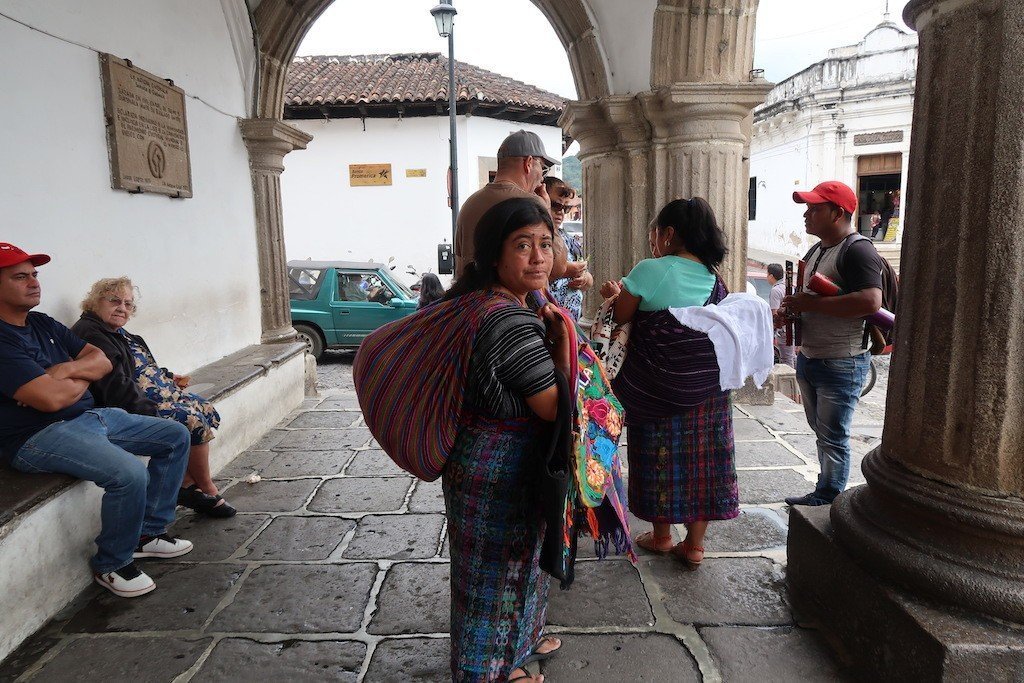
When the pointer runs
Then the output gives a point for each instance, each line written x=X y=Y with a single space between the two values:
x=536 y=656
x=525 y=676
x=193 y=497
x=649 y=542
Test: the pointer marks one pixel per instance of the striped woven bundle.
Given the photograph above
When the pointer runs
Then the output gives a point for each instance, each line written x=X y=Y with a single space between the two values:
x=410 y=377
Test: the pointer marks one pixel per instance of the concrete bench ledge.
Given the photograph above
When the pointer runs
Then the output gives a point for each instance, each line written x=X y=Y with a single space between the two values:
x=20 y=492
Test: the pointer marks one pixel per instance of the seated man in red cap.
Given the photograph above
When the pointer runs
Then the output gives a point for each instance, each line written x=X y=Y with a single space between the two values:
x=48 y=424
x=833 y=360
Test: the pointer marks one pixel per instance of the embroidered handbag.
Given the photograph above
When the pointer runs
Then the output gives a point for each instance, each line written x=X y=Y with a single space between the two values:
x=609 y=340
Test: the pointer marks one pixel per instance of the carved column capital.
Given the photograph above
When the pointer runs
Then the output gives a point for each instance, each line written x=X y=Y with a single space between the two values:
x=269 y=140
x=699 y=112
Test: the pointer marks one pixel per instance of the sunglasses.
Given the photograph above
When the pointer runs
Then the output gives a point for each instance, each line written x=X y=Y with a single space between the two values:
x=555 y=206
x=128 y=304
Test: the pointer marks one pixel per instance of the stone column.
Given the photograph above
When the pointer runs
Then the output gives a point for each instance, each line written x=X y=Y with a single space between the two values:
x=268 y=140
x=942 y=513
x=700 y=144
x=614 y=151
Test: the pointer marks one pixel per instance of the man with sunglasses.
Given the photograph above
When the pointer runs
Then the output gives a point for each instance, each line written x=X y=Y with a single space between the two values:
x=48 y=423
x=833 y=360
x=522 y=165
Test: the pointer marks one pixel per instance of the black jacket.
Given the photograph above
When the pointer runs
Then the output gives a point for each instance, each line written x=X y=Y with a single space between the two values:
x=118 y=389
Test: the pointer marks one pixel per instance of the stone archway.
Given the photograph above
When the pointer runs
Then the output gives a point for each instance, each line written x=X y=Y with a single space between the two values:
x=281 y=25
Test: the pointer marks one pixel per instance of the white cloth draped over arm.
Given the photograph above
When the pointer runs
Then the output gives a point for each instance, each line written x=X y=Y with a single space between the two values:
x=740 y=328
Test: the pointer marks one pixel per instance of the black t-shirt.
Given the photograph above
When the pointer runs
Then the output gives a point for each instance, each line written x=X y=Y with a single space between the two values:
x=25 y=354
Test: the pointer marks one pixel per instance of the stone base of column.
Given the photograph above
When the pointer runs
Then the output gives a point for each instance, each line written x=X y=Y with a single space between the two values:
x=279 y=335
x=883 y=632
x=951 y=544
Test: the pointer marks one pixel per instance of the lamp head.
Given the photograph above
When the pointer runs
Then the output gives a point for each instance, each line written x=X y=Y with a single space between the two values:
x=444 y=16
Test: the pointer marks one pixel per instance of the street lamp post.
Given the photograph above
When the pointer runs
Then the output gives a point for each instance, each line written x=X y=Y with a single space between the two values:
x=444 y=16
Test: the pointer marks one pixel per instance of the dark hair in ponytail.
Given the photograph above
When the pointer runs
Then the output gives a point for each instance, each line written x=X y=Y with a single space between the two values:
x=500 y=221
x=696 y=229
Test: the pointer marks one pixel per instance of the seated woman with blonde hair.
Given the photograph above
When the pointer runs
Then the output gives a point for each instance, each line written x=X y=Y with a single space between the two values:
x=140 y=386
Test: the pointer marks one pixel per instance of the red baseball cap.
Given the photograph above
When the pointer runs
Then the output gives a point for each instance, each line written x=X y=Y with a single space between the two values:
x=832 y=191
x=11 y=255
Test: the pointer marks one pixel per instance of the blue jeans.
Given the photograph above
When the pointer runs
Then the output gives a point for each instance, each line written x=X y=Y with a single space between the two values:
x=98 y=446
x=830 y=388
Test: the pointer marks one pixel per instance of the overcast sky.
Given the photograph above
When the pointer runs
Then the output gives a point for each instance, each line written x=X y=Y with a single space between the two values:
x=501 y=36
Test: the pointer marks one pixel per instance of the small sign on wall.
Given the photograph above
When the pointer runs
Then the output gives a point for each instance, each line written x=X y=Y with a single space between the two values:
x=362 y=175
x=415 y=173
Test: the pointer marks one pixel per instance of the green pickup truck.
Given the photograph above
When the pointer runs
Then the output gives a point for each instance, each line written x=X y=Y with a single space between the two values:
x=335 y=304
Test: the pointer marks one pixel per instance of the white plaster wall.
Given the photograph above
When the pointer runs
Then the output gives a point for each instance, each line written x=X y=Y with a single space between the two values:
x=196 y=305
x=626 y=31
x=325 y=218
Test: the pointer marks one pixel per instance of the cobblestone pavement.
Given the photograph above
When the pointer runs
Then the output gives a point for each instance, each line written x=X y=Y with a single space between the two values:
x=336 y=568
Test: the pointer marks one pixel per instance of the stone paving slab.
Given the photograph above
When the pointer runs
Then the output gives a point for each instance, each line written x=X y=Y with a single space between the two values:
x=608 y=594
x=299 y=538
x=781 y=418
x=185 y=597
x=288 y=464
x=296 y=598
x=414 y=598
x=122 y=659
x=428 y=497
x=753 y=530
x=215 y=539
x=396 y=537
x=361 y=494
x=240 y=660
x=746 y=429
x=373 y=463
x=620 y=657
x=247 y=463
x=324 y=419
x=322 y=439
x=753 y=655
x=747 y=591
x=758 y=487
x=766 y=454
x=412 y=660
x=271 y=496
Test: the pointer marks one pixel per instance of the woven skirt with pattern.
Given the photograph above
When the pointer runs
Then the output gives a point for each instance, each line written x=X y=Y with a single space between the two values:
x=682 y=468
x=499 y=596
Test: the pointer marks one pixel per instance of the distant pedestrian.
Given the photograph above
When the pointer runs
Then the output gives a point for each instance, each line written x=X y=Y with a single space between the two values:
x=431 y=289
x=787 y=352
x=522 y=165
x=568 y=291
x=681 y=451
x=833 y=360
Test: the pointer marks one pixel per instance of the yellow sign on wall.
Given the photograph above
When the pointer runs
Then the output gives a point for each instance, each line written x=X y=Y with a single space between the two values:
x=369 y=174
x=415 y=173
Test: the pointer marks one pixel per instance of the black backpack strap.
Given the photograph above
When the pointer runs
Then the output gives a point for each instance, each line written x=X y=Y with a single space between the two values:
x=850 y=239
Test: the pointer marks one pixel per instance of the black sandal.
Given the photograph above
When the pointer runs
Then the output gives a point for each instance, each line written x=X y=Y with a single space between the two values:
x=537 y=656
x=193 y=497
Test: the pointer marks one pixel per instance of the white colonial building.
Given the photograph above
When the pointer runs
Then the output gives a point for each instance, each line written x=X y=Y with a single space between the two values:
x=845 y=118
x=373 y=182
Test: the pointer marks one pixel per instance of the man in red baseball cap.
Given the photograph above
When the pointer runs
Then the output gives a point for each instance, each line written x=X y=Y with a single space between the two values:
x=833 y=360
x=49 y=423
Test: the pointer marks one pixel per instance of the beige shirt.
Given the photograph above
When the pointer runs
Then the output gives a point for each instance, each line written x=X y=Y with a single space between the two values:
x=473 y=210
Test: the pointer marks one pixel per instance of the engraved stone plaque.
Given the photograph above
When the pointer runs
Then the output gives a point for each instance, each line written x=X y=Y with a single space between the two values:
x=878 y=138
x=147 y=133
x=361 y=175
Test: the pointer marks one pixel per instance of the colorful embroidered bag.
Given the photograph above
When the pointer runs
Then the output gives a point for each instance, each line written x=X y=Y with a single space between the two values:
x=609 y=340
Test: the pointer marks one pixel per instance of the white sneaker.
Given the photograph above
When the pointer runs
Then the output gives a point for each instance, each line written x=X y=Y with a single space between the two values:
x=128 y=581
x=162 y=546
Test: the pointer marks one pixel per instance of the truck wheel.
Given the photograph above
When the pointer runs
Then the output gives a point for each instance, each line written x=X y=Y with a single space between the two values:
x=312 y=339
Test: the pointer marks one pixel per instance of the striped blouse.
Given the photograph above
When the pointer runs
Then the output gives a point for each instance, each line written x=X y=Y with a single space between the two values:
x=509 y=363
